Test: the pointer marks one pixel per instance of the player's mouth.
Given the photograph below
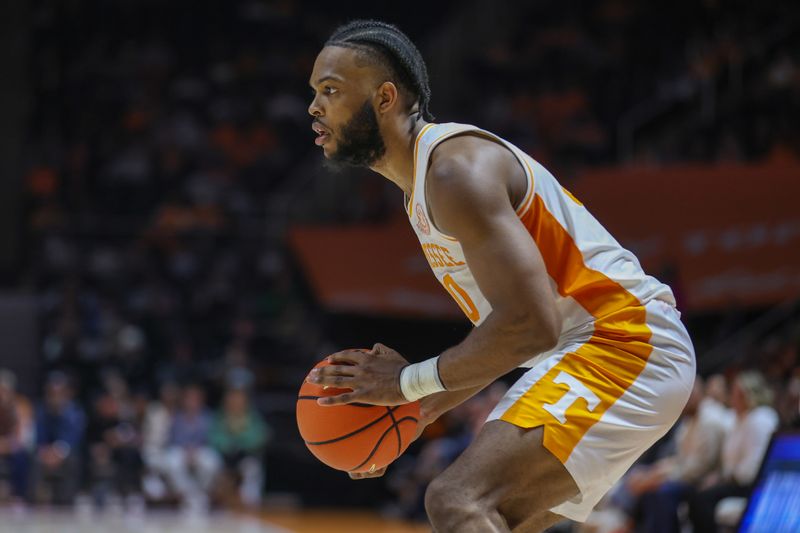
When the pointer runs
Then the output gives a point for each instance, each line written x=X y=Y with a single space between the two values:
x=323 y=134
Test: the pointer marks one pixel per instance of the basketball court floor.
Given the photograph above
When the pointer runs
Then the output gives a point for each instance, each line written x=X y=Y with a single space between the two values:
x=299 y=521
x=36 y=521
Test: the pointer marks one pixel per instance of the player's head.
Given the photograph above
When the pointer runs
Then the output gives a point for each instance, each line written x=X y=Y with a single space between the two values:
x=368 y=74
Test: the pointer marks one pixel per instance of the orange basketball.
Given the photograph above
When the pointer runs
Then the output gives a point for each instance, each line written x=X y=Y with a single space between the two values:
x=353 y=437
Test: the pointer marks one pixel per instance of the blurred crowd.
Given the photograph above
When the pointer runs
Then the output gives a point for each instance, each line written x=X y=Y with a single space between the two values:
x=130 y=449
x=170 y=149
x=630 y=81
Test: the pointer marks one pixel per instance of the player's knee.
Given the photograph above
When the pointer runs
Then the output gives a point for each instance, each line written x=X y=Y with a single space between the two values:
x=449 y=503
x=434 y=494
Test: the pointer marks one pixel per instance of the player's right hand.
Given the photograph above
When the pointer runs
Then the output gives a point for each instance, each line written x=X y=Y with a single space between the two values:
x=365 y=475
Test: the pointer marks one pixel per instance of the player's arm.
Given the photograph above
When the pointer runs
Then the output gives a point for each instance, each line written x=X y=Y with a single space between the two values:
x=433 y=406
x=468 y=194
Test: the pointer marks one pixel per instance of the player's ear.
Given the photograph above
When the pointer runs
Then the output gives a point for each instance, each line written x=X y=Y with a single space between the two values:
x=386 y=96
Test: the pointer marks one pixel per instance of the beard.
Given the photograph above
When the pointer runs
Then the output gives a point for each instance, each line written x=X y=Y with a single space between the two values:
x=360 y=142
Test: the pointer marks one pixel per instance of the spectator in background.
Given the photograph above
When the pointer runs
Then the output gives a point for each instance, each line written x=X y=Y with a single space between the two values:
x=191 y=464
x=751 y=399
x=716 y=399
x=16 y=447
x=155 y=439
x=114 y=440
x=662 y=486
x=60 y=425
x=716 y=388
x=239 y=434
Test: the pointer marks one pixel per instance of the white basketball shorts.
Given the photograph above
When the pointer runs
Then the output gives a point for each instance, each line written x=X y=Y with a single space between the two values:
x=606 y=396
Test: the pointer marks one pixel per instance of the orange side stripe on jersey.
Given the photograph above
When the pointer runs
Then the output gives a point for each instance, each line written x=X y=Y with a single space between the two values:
x=593 y=290
x=608 y=364
x=410 y=205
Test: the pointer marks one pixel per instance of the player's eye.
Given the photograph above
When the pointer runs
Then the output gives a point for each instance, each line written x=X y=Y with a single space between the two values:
x=329 y=90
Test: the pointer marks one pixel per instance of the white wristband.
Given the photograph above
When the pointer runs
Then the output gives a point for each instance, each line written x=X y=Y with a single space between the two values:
x=421 y=379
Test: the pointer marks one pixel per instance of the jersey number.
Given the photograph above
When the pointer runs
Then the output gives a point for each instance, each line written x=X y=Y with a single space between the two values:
x=461 y=297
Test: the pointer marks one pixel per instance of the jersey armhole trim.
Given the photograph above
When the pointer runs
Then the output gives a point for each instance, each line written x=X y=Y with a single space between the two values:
x=430 y=148
x=525 y=203
x=410 y=204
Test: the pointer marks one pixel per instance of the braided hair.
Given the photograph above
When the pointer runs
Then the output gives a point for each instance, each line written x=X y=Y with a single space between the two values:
x=393 y=49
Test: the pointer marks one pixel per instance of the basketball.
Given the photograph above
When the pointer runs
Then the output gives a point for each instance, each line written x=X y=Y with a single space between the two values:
x=354 y=437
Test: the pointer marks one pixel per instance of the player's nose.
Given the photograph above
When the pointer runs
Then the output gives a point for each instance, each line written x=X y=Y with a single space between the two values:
x=314 y=108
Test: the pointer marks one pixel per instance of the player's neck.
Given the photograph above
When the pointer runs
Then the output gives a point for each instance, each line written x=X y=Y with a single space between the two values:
x=397 y=164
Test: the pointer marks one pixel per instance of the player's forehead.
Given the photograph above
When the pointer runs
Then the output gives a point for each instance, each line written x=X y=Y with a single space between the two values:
x=340 y=64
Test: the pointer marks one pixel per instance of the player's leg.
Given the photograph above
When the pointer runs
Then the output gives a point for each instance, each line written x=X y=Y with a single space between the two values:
x=505 y=481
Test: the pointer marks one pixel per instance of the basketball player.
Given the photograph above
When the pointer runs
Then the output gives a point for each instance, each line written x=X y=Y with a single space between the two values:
x=546 y=286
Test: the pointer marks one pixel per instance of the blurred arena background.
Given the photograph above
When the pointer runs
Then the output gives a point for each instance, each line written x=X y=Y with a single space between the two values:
x=172 y=249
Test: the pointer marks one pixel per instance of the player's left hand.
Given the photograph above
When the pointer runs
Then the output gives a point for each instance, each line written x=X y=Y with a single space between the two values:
x=373 y=376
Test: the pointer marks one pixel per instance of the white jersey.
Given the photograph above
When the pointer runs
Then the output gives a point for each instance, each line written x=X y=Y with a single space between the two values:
x=592 y=276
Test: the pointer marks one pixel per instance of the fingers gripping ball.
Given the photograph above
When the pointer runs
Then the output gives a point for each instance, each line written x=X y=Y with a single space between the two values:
x=354 y=437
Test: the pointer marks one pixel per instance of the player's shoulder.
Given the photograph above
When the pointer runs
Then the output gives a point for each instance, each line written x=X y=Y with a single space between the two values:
x=453 y=181
x=463 y=151
x=467 y=180
x=462 y=162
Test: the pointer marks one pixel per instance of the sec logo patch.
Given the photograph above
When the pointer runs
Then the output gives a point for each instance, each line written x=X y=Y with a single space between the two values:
x=422 y=220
